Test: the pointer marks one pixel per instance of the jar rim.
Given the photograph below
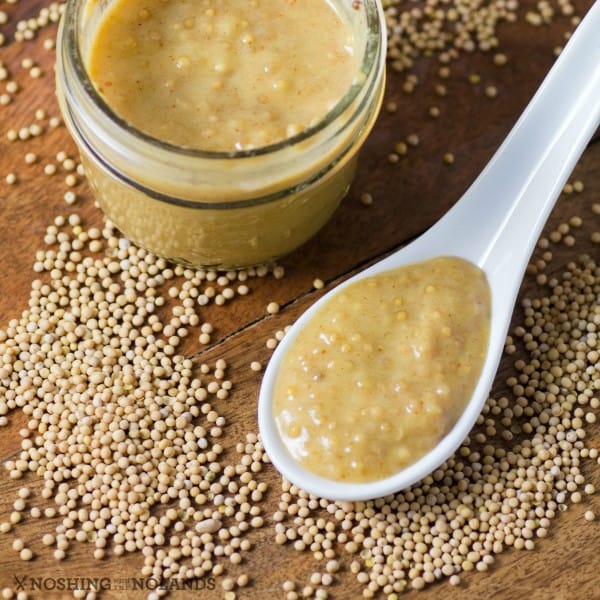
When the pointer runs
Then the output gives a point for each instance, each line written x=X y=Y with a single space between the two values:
x=370 y=61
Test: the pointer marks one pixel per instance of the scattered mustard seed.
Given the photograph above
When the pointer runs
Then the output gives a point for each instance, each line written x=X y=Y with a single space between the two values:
x=273 y=308
x=449 y=158
x=491 y=91
x=366 y=199
x=434 y=112
x=26 y=554
x=400 y=148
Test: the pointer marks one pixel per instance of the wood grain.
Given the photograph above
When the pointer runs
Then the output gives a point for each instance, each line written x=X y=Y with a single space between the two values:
x=408 y=197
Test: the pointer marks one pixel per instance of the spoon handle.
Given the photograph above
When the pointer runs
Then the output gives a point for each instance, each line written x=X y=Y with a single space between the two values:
x=511 y=199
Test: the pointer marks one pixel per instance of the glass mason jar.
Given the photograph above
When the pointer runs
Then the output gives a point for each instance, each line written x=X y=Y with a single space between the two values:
x=218 y=209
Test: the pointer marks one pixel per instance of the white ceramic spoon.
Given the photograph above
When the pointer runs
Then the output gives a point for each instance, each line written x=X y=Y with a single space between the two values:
x=495 y=225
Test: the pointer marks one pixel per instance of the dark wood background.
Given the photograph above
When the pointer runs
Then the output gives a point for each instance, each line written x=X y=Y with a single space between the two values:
x=407 y=198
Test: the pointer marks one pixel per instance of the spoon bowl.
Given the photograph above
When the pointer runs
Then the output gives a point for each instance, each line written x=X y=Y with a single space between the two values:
x=495 y=225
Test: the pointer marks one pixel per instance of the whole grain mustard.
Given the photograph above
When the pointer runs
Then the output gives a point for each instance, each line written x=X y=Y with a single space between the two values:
x=222 y=75
x=384 y=369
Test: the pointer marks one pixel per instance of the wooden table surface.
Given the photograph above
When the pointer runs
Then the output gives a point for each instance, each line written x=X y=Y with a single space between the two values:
x=408 y=196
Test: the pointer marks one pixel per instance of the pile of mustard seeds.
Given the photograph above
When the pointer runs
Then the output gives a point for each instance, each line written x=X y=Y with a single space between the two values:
x=444 y=31
x=122 y=429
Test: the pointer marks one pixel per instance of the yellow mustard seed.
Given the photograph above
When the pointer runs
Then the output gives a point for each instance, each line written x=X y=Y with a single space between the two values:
x=491 y=91
x=26 y=554
x=400 y=148
x=366 y=199
x=441 y=90
x=273 y=308
x=500 y=59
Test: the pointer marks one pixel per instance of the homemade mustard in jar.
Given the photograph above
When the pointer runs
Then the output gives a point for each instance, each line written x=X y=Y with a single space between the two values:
x=220 y=133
